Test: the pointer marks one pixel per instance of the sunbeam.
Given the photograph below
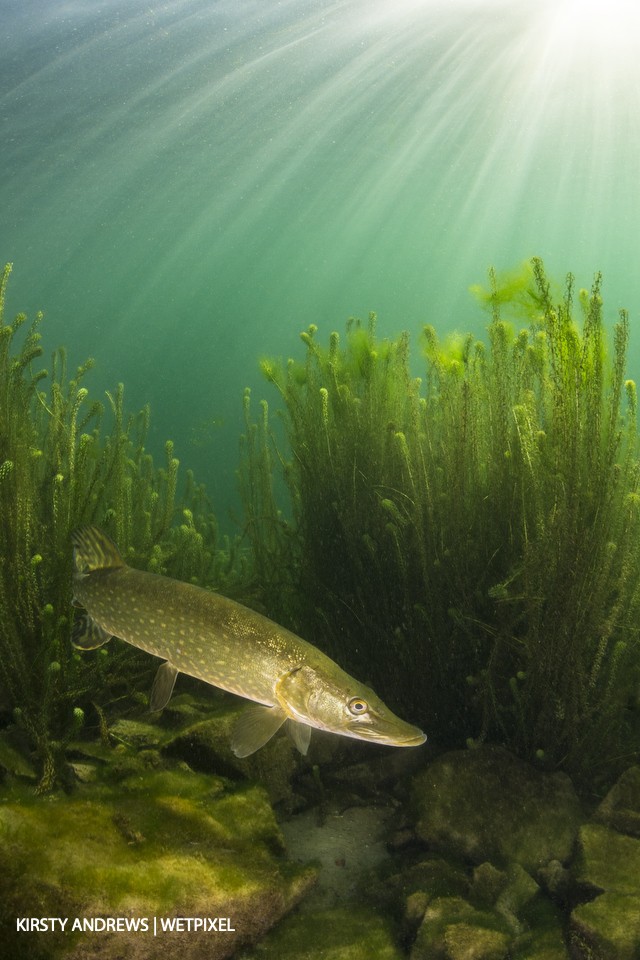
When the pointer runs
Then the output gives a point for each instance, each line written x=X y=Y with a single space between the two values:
x=236 y=169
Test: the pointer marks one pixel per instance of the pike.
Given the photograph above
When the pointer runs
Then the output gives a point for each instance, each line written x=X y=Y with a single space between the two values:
x=228 y=645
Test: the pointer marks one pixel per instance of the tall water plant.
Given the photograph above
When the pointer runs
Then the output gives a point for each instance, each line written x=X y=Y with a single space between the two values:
x=470 y=541
x=60 y=468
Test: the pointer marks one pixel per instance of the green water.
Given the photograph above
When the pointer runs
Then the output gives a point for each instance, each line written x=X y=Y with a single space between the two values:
x=185 y=186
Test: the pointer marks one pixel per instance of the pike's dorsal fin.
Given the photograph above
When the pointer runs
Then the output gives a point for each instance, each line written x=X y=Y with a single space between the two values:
x=94 y=550
x=300 y=733
x=87 y=634
x=162 y=687
x=254 y=727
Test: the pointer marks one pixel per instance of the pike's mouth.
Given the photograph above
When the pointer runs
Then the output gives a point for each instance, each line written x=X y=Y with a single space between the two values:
x=391 y=736
x=414 y=740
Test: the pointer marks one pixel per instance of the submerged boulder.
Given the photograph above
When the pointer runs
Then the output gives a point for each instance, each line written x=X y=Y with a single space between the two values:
x=205 y=746
x=487 y=805
x=504 y=822
x=453 y=929
x=163 y=846
x=342 y=933
x=607 y=869
x=620 y=808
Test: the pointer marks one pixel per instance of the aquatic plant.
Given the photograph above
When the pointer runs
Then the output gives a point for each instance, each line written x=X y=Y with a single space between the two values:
x=60 y=468
x=273 y=542
x=470 y=542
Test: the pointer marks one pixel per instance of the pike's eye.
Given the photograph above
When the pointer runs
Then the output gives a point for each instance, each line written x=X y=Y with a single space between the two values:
x=357 y=706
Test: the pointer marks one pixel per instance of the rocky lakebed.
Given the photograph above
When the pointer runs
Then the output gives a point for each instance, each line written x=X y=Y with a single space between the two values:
x=164 y=843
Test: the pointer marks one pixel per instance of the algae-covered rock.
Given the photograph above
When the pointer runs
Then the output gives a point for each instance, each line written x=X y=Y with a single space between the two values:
x=453 y=929
x=543 y=936
x=519 y=890
x=504 y=910
x=468 y=942
x=620 y=808
x=486 y=804
x=413 y=886
x=205 y=746
x=434 y=876
x=607 y=866
x=557 y=880
x=607 y=929
x=607 y=860
x=487 y=807
x=184 y=709
x=171 y=844
x=487 y=884
x=338 y=934
x=137 y=733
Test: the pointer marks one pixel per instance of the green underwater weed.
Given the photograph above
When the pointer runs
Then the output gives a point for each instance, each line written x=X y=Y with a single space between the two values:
x=469 y=542
x=60 y=468
x=264 y=527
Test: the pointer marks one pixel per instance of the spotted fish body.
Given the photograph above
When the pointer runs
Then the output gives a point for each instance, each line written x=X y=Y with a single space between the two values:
x=208 y=636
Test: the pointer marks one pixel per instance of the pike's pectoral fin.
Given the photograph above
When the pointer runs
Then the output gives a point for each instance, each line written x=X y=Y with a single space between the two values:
x=300 y=733
x=162 y=686
x=254 y=727
x=87 y=634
